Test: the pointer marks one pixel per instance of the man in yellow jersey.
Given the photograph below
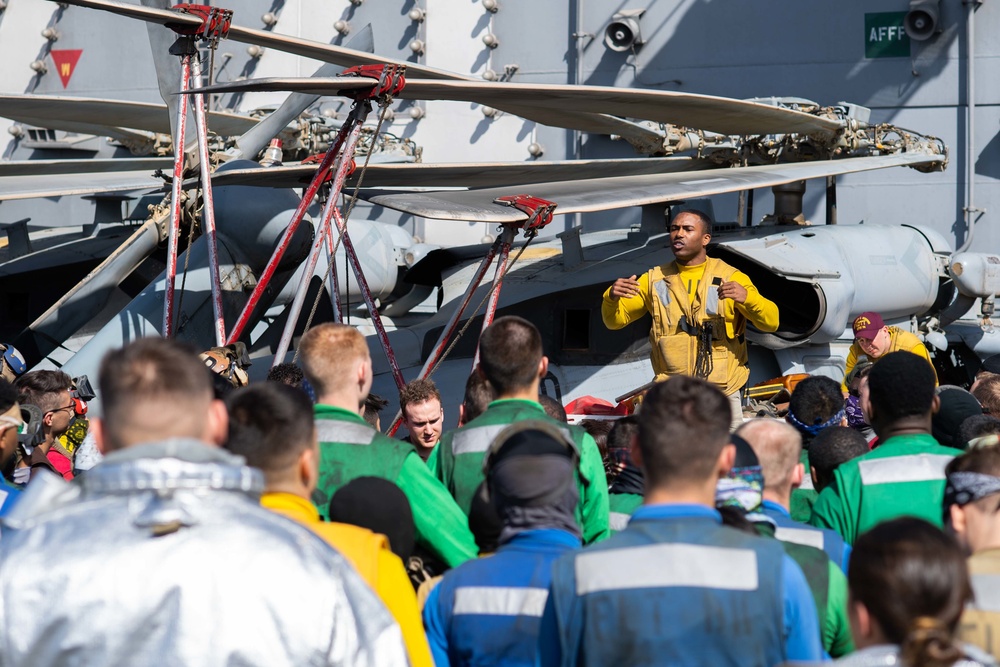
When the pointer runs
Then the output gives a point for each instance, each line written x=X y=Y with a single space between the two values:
x=872 y=338
x=271 y=426
x=700 y=308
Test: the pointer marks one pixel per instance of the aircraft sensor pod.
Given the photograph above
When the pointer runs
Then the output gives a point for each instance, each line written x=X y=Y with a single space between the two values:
x=622 y=34
x=921 y=22
x=976 y=274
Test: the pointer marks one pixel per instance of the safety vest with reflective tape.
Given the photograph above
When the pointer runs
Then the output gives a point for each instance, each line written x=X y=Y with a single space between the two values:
x=903 y=476
x=350 y=448
x=673 y=336
x=679 y=591
x=980 y=624
x=488 y=611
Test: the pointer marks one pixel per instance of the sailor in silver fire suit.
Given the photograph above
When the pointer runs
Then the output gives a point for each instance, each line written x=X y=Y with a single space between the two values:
x=161 y=556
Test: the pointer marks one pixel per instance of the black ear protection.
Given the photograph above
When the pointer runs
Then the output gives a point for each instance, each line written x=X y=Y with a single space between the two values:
x=32 y=434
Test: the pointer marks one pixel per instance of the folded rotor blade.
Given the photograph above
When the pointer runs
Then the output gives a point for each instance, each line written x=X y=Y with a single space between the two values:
x=619 y=192
x=650 y=140
x=460 y=175
x=43 y=185
x=81 y=166
x=548 y=103
x=254 y=141
x=72 y=113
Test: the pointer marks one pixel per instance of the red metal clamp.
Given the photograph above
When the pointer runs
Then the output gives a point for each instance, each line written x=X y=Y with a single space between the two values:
x=391 y=80
x=539 y=211
x=215 y=22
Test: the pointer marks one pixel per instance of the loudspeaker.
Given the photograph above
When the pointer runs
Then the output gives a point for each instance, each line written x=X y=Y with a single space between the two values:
x=921 y=21
x=622 y=34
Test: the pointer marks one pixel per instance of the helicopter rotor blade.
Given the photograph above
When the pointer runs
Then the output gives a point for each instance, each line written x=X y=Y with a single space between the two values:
x=547 y=103
x=649 y=139
x=43 y=185
x=101 y=116
x=601 y=194
x=461 y=175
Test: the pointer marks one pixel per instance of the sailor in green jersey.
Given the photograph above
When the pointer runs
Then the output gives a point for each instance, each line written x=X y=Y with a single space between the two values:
x=511 y=359
x=336 y=362
x=904 y=475
x=626 y=483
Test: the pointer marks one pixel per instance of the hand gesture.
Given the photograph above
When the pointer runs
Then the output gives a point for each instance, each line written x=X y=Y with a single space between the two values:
x=733 y=290
x=625 y=287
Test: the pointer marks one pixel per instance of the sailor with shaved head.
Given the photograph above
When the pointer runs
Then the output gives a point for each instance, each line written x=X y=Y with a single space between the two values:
x=700 y=308
x=676 y=587
x=778 y=446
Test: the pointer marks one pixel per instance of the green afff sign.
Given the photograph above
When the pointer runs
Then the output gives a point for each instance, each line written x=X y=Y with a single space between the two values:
x=885 y=36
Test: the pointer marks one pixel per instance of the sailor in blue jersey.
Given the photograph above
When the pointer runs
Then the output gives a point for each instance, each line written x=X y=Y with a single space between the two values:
x=488 y=611
x=10 y=423
x=778 y=447
x=676 y=587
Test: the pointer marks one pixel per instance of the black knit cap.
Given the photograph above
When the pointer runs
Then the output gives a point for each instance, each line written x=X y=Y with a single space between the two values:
x=380 y=506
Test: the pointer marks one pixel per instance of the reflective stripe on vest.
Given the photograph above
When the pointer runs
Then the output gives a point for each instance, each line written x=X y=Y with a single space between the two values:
x=329 y=430
x=807 y=483
x=478 y=439
x=910 y=468
x=618 y=520
x=666 y=565
x=475 y=440
x=805 y=536
x=662 y=292
x=987 y=591
x=500 y=601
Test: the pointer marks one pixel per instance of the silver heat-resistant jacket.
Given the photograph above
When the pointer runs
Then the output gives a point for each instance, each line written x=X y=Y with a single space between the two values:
x=161 y=555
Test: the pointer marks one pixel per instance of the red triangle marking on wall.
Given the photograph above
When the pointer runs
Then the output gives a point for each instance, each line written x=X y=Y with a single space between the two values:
x=66 y=60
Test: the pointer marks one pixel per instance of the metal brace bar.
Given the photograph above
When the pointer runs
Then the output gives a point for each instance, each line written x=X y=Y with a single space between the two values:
x=348 y=138
x=452 y=326
x=390 y=81
x=295 y=309
x=366 y=294
x=506 y=240
x=208 y=207
x=175 y=199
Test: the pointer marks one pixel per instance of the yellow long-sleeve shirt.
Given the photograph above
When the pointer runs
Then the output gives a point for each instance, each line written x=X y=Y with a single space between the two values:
x=759 y=311
x=676 y=294
x=370 y=555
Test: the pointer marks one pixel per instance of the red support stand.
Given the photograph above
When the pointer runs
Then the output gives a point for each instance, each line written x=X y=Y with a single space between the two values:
x=390 y=81
x=215 y=26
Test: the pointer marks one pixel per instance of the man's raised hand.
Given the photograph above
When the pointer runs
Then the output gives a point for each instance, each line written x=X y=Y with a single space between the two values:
x=625 y=287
